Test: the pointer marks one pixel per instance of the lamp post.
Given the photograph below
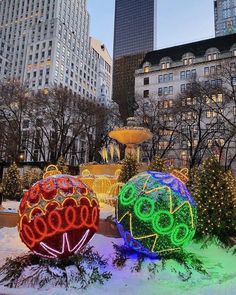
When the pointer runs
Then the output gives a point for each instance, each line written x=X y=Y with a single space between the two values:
x=21 y=156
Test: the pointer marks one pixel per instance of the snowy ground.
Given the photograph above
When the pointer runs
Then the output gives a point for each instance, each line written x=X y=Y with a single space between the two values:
x=11 y=206
x=220 y=265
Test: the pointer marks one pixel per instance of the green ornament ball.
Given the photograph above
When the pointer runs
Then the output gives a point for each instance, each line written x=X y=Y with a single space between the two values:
x=156 y=214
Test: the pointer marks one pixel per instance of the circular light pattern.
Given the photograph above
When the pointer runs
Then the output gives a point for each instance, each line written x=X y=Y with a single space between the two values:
x=58 y=216
x=144 y=208
x=180 y=233
x=160 y=225
x=156 y=213
x=127 y=195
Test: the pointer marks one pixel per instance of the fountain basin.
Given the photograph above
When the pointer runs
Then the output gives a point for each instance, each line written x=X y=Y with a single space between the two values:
x=130 y=135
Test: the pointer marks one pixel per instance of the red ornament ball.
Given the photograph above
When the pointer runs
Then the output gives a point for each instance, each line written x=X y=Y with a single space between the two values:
x=58 y=216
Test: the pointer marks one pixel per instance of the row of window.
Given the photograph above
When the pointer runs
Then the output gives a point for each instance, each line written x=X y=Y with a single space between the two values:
x=188 y=74
x=187 y=61
x=40 y=73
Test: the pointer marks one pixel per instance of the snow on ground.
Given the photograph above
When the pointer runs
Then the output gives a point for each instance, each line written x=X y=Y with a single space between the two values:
x=220 y=265
x=10 y=206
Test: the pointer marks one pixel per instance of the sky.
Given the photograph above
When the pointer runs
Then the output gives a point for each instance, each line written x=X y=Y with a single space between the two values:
x=178 y=21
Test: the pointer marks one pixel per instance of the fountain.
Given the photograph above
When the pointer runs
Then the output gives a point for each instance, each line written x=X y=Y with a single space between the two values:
x=131 y=135
x=103 y=178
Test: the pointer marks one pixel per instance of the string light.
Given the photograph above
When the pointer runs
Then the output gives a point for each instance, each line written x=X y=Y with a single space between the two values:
x=58 y=216
x=156 y=213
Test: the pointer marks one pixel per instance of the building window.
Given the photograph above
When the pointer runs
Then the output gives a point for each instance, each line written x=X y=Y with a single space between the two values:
x=234 y=81
x=216 y=98
x=212 y=56
x=209 y=143
x=182 y=88
x=211 y=114
x=218 y=69
x=209 y=57
x=146 y=93
x=206 y=71
x=212 y=70
x=160 y=79
x=168 y=104
x=165 y=90
x=193 y=73
x=188 y=74
x=163 y=66
x=146 y=81
x=185 y=61
x=165 y=78
x=188 y=61
x=182 y=75
x=146 y=69
x=26 y=124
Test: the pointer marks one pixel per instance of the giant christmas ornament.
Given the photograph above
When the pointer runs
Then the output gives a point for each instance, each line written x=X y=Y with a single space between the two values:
x=156 y=213
x=58 y=216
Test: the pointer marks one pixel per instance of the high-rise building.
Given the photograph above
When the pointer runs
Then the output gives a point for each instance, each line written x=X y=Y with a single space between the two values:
x=104 y=71
x=225 y=17
x=45 y=43
x=49 y=44
x=134 y=27
x=134 y=35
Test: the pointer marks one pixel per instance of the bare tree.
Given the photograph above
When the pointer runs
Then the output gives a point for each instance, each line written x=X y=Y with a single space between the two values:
x=106 y=118
x=199 y=127
x=13 y=106
x=60 y=119
x=218 y=92
x=157 y=115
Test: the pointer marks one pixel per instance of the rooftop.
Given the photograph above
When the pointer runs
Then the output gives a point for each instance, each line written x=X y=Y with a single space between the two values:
x=199 y=48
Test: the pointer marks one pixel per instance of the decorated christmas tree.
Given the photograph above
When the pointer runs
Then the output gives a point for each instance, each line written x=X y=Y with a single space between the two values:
x=30 y=177
x=61 y=165
x=214 y=191
x=12 y=188
x=129 y=169
x=159 y=164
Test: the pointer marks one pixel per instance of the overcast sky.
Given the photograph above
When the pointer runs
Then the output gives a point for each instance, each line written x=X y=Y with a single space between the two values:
x=178 y=21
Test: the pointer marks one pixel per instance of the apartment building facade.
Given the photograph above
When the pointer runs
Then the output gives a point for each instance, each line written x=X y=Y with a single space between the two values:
x=167 y=74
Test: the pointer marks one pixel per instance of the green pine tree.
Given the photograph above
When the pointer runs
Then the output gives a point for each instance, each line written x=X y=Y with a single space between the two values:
x=128 y=169
x=30 y=177
x=11 y=186
x=158 y=164
x=61 y=165
x=214 y=191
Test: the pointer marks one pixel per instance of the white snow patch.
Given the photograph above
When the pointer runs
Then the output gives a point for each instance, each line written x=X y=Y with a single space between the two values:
x=219 y=263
